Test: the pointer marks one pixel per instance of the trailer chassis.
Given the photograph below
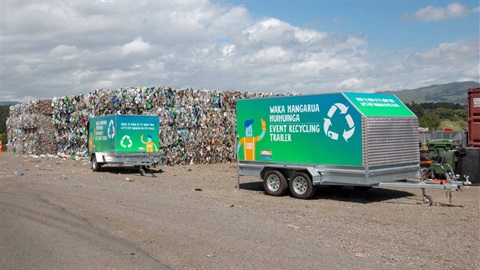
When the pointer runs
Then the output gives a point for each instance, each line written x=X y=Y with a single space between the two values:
x=141 y=161
x=275 y=178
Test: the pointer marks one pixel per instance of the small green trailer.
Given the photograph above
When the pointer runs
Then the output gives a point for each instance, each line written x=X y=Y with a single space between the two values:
x=350 y=139
x=124 y=139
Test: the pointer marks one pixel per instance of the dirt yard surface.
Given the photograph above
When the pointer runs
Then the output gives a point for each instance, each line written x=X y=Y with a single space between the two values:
x=58 y=214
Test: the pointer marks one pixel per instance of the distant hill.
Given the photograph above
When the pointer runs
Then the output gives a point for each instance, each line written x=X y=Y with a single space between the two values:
x=451 y=92
x=4 y=103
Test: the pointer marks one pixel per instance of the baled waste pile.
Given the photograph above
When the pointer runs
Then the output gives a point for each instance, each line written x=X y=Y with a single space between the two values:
x=196 y=126
x=30 y=128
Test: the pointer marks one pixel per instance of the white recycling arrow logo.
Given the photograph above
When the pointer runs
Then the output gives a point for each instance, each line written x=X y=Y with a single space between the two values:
x=126 y=142
x=347 y=134
x=111 y=130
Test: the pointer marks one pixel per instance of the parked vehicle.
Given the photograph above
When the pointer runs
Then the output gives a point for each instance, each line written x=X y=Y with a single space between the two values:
x=297 y=143
x=124 y=139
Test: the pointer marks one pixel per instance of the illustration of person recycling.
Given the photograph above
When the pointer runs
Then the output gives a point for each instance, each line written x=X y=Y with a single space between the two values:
x=249 y=141
x=90 y=137
x=149 y=144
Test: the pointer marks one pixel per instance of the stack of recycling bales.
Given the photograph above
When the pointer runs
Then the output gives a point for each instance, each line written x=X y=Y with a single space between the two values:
x=196 y=126
x=30 y=128
x=70 y=118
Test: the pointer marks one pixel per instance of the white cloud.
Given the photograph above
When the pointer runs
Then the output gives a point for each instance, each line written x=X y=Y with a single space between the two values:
x=73 y=47
x=433 y=13
x=449 y=62
x=271 y=55
x=64 y=52
x=228 y=50
x=136 y=46
x=308 y=35
x=351 y=83
x=267 y=31
x=471 y=74
x=451 y=52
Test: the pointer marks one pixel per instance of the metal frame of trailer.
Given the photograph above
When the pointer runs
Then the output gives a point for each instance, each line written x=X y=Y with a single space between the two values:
x=423 y=185
x=357 y=177
x=141 y=160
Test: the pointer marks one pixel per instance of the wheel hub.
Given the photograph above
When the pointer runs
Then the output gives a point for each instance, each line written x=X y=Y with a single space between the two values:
x=300 y=185
x=273 y=183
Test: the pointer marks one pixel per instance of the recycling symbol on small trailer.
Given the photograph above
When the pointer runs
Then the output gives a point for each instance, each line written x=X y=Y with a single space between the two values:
x=347 y=134
x=126 y=142
x=111 y=130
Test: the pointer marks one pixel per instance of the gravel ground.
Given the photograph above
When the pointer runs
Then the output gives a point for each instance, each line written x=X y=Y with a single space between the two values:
x=192 y=217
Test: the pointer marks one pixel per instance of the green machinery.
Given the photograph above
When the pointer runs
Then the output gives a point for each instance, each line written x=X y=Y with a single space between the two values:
x=440 y=158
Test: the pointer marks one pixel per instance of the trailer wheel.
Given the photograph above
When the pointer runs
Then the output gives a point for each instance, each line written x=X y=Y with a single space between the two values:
x=301 y=185
x=427 y=199
x=275 y=183
x=96 y=166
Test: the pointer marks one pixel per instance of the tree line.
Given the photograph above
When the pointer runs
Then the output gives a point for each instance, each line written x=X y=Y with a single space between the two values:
x=440 y=115
x=4 y=111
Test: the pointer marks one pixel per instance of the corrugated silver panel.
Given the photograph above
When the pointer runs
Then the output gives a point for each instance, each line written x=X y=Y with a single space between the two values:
x=390 y=140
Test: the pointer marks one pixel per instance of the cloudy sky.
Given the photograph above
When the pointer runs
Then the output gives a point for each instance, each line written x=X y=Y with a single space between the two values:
x=58 y=48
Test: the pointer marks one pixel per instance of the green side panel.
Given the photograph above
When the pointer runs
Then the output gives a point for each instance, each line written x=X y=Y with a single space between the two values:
x=383 y=105
x=320 y=129
x=102 y=134
x=124 y=134
x=137 y=134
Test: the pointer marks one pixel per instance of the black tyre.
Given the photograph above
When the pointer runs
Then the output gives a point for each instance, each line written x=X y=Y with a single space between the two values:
x=96 y=166
x=275 y=183
x=301 y=186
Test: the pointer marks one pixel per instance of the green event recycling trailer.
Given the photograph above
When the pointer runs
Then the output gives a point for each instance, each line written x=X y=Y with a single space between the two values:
x=300 y=142
x=123 y=139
